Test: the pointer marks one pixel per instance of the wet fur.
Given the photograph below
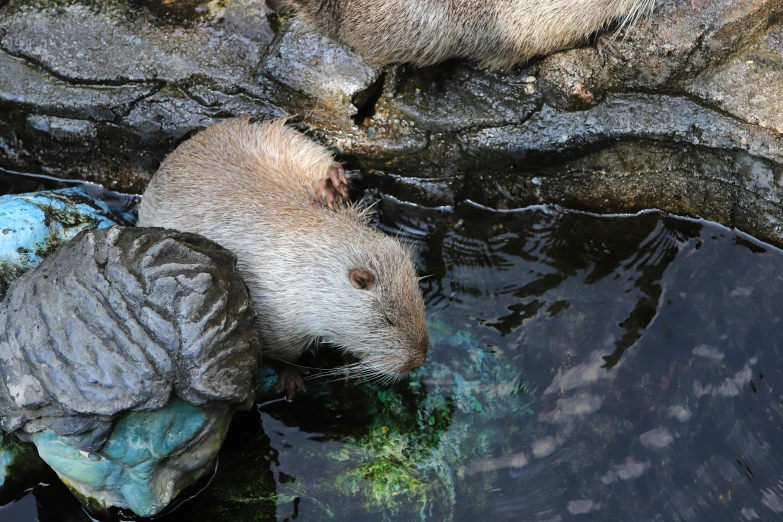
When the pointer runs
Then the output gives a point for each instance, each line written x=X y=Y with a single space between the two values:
x=497 y=33
x=253 y=188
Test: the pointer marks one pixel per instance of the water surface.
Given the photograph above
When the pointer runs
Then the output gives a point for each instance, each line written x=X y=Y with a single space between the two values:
x=581 y=368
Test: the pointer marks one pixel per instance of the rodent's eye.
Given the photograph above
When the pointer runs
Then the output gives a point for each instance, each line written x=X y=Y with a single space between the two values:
x=391 y=323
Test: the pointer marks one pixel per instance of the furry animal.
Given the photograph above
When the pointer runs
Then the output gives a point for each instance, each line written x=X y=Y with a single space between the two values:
x=315 y=270
x=496 y=33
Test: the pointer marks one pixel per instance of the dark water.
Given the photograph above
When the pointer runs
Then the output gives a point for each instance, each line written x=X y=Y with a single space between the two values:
x=582 y=368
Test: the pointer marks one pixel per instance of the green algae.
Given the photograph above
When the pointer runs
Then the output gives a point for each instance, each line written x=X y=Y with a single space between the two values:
x=411 y=444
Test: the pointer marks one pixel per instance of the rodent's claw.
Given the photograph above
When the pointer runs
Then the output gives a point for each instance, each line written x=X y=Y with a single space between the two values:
x=340 y=182
x=326 y=194
x=291 y=379
x=334 y=188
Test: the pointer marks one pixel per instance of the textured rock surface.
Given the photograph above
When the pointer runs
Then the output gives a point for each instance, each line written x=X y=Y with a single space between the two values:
x=748 y=84
x=123 y=357
x=106 y=91
x=120 y=319
x=305 y=61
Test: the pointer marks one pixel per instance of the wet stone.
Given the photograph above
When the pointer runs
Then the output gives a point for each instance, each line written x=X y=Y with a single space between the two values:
x=748 y=84
x=316 y=67
x=173 y=114
x=113 y=45
x=455 y=96
x=63 y=129
x=24 y=85
x=670 y=118
x=677 y=42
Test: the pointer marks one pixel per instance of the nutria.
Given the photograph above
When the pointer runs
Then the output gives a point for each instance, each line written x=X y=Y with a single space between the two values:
x=497 y=33
x=314 y=268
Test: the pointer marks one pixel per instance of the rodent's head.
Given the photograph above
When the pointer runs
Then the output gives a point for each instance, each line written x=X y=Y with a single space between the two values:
x=380 y=310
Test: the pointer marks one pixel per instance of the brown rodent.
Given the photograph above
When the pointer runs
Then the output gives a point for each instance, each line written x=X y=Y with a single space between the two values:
x=497 y=33
x=314 y=268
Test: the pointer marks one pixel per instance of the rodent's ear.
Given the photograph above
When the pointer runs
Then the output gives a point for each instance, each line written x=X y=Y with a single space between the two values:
x=361 y=279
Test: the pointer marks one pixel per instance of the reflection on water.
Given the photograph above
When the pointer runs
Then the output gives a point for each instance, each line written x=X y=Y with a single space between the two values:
x=22 y=511
x=582 y=368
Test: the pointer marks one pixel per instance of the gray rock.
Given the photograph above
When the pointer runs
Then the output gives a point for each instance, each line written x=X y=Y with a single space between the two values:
x=63 y=129
x=681 y=78
x=123 y=319
x=680 y=40
x=313 y=65
x=23 y=85
x=748 y=84
x=455 y=98
x=133 y=79
x=173 y=114
x=621 y=117
x=114 y=46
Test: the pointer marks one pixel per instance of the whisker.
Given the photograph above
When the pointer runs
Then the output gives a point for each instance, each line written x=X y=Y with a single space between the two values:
x=295 y=364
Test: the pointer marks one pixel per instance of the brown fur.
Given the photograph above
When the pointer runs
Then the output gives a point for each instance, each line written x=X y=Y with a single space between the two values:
x=261 y=190
x=497 y=33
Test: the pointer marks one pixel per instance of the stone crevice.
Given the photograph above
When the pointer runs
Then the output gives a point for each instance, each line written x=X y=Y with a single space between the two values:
x=124 y=114
x=73 y=81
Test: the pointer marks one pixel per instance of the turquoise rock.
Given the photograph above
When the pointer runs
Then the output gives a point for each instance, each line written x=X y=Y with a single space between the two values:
x=34 y=225
x=148 y=459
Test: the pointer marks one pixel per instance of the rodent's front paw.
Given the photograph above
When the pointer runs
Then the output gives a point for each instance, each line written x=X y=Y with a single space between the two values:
x=334 y=188
x=290 y=379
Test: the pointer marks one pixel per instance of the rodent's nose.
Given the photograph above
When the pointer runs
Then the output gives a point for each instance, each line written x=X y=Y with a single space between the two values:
x=416 y=356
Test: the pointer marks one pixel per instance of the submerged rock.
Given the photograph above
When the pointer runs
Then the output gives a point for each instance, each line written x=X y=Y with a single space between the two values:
x=123 y=357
